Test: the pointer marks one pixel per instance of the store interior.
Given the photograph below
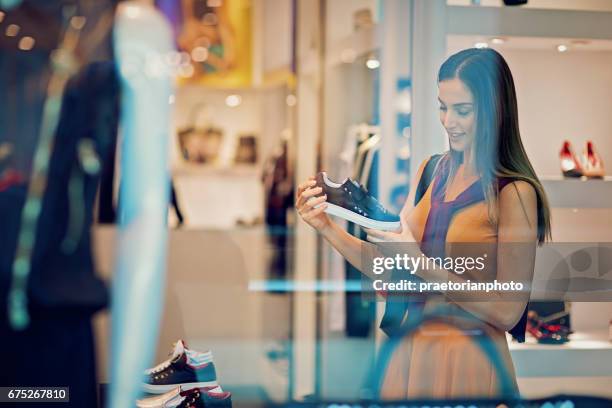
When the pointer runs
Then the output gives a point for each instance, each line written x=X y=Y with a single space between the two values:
x=251 y=282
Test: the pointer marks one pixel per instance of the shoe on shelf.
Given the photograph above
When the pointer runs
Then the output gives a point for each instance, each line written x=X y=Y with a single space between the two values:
x=172 y=398
x=570 y=166
x=178 y=348
x=591 y=162
x=201 y=398
x=351 y=201
x=546 y=333
x=185 y=367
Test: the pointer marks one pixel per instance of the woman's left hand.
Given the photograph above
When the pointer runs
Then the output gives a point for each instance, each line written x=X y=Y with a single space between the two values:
x=403 y=235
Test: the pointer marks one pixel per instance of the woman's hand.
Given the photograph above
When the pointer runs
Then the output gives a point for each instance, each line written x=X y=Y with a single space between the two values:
x=403 y=235
x=306 y=201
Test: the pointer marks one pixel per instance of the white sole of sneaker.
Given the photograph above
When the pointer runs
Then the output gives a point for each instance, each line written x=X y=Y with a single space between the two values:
x=161 y=389
x=360 y=219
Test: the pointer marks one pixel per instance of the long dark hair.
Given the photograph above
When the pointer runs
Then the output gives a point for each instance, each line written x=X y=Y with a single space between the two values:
x=497 y=149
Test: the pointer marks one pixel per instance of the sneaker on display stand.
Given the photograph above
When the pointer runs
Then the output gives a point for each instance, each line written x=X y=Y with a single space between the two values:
x=200 y=398
x=174 y=397
x=178 y=348
x=351 y=201
x=185 y=367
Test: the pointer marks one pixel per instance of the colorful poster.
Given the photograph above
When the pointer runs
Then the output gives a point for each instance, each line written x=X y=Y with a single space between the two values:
x=214 y=37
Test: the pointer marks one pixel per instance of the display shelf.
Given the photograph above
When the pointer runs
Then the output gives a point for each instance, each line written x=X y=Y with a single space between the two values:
x=214 y=197
x=587 y=354
x=529 y=22
x=190 y=169
x=359 y=43
x=579 y=192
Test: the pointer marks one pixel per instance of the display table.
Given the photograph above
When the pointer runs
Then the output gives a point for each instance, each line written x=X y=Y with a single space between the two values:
x=218 y=198
x=581 y=366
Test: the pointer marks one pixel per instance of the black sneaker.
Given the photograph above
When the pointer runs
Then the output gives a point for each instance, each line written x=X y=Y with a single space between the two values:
x=179 y=371
x=201 y=398
x=351 y=201
x=174 y=398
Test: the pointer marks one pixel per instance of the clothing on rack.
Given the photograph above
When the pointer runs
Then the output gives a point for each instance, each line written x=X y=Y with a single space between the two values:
x=358 y=159
x=278 y=186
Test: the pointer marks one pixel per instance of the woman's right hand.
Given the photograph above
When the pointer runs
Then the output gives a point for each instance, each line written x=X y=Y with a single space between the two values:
x=306 y=201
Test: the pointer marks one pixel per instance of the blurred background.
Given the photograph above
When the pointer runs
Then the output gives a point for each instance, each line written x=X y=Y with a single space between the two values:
x=268 y=92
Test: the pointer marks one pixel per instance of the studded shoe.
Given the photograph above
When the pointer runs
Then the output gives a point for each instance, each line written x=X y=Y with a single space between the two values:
x=351 y=201
x=201 y=398
x=173 y=398
x=180 y=347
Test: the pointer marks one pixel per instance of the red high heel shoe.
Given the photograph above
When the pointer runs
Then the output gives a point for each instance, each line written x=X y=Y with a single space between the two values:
x=546 y=333
x=570 y=166
x=592 y=163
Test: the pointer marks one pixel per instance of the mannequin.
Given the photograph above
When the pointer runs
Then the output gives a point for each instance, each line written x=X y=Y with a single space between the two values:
x=49 y=338
x=142 y=36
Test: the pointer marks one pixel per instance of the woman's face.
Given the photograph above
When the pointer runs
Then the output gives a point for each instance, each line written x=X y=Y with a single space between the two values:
x=457 y=113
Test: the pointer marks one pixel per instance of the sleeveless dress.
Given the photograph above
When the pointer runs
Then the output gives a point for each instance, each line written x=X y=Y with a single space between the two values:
x=439 y=360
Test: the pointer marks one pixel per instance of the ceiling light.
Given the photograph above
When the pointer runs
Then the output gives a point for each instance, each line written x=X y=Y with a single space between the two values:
x=498 y=40
x=186 y=71
x=26 y=43
x=481 y=45
x=372 y=63
x=233 y=100
x=291 y=100
x=185 y=58
x=199 y=54
x=562 y=48
x=12 y=30
x=173 y=58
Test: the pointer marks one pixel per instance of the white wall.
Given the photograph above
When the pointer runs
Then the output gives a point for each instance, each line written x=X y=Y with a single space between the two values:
x=562 y=96
x=262 y=112
x=339 y=17
x=599 y=5
x=276 y=34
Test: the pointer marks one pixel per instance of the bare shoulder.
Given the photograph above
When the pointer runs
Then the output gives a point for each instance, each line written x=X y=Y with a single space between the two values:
x=518 y=191
x=518 y=204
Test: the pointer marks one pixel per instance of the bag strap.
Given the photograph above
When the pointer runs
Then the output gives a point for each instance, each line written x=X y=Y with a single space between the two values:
x=395 y=309
x=426 y=177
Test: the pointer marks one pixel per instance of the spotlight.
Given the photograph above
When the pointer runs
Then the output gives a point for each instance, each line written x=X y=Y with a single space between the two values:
x=291 y=100
x=12 y=30
x=481 y=45
x=199 y=54
x=372 y=63
x=26 y=43
x=562 y=48
x=233 y=100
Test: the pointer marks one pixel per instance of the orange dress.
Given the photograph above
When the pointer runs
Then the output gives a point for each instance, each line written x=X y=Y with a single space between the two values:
x=438 y=360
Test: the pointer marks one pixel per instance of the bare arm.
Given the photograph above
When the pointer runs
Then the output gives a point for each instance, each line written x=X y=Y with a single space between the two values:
x=350 y=247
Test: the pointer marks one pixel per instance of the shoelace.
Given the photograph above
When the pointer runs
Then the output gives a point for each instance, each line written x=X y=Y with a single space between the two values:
x=164 y=364
x=160 y=367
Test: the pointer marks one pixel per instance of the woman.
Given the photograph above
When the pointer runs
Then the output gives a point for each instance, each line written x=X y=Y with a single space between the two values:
x=484 y=190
